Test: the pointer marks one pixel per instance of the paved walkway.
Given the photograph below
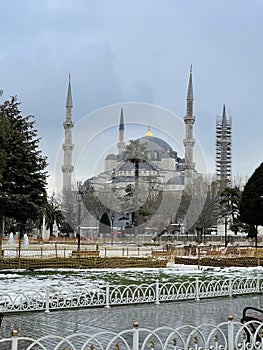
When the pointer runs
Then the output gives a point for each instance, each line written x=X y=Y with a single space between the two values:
x=118 y=318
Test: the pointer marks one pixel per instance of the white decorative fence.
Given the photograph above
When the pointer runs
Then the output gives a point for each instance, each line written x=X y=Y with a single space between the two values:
x=108 y=295
x=229 y=335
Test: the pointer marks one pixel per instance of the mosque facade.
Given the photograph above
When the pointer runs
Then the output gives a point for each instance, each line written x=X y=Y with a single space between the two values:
x=161 y=162
x=161 y=169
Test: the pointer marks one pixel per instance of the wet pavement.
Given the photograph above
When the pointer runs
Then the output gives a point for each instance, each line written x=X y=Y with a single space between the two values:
x=118 y=318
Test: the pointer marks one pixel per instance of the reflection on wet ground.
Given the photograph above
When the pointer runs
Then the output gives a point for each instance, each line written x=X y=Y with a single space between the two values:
x=92 y=320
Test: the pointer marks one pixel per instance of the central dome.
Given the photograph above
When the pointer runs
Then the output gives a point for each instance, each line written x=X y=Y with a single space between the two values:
x=155 y=144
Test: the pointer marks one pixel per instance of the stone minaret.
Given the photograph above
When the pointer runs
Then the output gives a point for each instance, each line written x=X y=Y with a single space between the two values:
x=121 y=143
x=224 y=149
x=189 y=141
x=67 y=167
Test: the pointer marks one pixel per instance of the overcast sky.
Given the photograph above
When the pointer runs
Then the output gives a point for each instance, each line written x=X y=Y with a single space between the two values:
x=121 y=51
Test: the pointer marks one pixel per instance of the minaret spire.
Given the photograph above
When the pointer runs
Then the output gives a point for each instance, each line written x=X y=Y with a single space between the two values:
x=189 y=140
x=69 y=103
x=67 y=167
x=121 y=144
x=224 y=122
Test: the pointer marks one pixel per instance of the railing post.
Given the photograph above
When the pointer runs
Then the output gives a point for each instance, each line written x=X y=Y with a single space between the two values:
x=230 y=333
x=107 y=295
x=47 y=300
x=157 y=293
x=258 y=284
x=197 y=297
x=230 y=288
x=14 y=340
x=135 y=343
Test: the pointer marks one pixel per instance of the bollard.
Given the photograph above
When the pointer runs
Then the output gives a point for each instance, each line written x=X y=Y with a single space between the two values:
x=14 y=340
x=157 y=292
x=107 y=306
x=230 y=333
x=135 y=345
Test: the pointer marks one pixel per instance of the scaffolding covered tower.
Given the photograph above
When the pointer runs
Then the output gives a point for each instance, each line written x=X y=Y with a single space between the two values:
x=224 y=149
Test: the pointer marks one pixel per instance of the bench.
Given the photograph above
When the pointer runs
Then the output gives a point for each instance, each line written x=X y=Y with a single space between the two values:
x=84 y=253
x=251 y=314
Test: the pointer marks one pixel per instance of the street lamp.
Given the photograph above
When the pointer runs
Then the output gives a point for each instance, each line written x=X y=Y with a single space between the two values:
x=79 y=199
x=225 y=230
x=112 y=223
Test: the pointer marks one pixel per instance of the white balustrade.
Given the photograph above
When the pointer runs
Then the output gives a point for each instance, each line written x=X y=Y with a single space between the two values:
x=107 y=296
x=228 y=335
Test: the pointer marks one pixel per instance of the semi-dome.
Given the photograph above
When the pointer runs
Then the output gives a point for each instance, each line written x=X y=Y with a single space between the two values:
x=111 y=156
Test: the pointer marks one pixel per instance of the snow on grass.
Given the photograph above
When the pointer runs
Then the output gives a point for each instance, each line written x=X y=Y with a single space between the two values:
x=18 y=281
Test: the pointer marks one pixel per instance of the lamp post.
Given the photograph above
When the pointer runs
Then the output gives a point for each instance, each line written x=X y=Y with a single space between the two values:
x=112 y=226
x=225 y=230
x=79 y=199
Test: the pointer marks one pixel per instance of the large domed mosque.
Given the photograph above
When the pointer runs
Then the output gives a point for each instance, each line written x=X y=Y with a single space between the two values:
x=118 y=195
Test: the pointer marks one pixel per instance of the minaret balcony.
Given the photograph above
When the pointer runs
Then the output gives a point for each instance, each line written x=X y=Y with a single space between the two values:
x=67 y=168
x=68 y=147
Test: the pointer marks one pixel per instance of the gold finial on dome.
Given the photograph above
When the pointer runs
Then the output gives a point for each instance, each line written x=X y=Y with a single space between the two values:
x=149 y=133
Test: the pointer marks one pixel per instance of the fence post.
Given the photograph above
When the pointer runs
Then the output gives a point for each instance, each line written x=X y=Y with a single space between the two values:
x=14 y=340
x=157 y=293
x=230 y=333
x=107 y=295
x=258 y=284
x=135 y=343
x=197 y=289
x=230 y=287
x=47 y=300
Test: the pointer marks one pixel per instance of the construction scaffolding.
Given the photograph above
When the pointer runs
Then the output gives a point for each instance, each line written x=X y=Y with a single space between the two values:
x=224 y=149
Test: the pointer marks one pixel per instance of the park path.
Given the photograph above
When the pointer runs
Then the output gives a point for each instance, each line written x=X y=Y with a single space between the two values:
x=92 y=320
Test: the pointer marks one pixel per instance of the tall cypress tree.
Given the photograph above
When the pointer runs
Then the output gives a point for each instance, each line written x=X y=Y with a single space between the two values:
x=251 y=205
x=22 y=166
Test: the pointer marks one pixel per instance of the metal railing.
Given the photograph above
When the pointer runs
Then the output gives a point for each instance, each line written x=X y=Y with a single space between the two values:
x=109 y=295
x=228 y=335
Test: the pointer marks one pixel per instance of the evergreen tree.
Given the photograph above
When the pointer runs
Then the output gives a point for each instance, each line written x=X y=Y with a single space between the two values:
x=251 y=205
x=230 y=203
x=22 y=167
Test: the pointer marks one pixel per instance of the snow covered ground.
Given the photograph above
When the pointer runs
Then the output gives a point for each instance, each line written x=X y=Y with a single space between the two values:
x=17 y=281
